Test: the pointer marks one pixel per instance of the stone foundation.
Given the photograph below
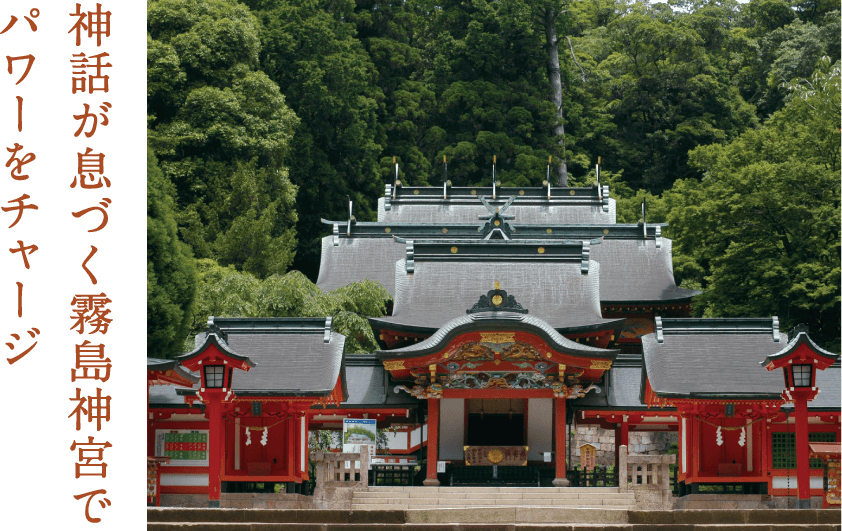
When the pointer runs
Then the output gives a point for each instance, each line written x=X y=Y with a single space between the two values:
x=193 y=501
x=261 y=500
x=640 y=443
x=247 y=500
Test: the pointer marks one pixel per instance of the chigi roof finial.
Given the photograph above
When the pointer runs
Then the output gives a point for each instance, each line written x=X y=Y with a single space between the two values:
x=497 y=300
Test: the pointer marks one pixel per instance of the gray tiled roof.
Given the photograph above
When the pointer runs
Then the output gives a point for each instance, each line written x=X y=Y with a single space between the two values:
x=710 y=361
x=369 y=385
x=289 y=364
x=637 y=271
x=437 y=292
x=356 y=259
x=467 y=212
x=293 y=356
x=624 y=386
x=829 y=382
x=166 y=395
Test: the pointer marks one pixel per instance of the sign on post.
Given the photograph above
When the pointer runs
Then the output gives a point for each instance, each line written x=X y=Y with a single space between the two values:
x=359 y=435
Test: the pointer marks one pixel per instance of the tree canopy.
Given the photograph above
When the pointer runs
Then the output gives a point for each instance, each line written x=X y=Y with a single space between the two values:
x=266 y=115
x=170 y=272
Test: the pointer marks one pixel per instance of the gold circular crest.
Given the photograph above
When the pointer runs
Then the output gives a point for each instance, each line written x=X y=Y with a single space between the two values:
x=495 y=456
x=473 y=192
x=454 y=250
x=416 y=192
x=605 y=231
x=549 y=231
x=388 y=230
x=497 y=300
x=540 y=250
x=521 y=192
x=444 y=231
x=496 y=222
x=572 y=192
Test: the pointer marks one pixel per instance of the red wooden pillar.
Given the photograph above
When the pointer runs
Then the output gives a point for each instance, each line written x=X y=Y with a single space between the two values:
x=214 y=408
x=560 y=454
x=802 y=452
x=290 y=444
x=432 y=442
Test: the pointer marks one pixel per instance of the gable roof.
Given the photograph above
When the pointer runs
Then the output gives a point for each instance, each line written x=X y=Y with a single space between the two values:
x=712 y=358
x=456 y=210
x=294 y=356
x=552 y=280
x=490 y=321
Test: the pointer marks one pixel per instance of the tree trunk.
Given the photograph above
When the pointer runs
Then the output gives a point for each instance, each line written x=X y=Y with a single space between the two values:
x=554 y=73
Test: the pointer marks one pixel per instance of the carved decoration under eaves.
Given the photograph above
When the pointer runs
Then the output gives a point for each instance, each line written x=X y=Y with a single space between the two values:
x=520 y=352
x=498 y=380
x=473 y=352
x=497 y=300
x=521 y=380
x=420 y=391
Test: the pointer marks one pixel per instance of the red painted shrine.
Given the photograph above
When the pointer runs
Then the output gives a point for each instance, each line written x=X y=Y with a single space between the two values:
x=518 y=313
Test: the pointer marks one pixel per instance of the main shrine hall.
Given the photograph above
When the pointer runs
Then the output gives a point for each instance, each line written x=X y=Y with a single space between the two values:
x=517 y=315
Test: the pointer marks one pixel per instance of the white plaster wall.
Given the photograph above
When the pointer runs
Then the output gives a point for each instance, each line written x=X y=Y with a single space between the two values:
x=539 y=427
x=452 y=428
x=396 y=440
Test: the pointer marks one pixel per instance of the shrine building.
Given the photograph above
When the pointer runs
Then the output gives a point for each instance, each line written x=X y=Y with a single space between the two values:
x=517 y=314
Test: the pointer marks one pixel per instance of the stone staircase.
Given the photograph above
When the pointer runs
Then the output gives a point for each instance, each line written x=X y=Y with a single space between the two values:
x=405 y=498
x=511 y=518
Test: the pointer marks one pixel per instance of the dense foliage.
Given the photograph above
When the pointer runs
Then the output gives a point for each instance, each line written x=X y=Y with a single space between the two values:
x=266 y=114
x=170 y=272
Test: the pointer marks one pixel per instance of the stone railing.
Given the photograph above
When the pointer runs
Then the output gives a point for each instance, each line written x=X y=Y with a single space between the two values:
x=337 y=476
x=648 y=476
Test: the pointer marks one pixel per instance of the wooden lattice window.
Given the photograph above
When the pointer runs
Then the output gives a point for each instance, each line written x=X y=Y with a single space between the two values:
x=783 y=448
x=825 y=437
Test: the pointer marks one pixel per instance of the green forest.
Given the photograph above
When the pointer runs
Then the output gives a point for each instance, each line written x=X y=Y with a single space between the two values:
x=263 y=115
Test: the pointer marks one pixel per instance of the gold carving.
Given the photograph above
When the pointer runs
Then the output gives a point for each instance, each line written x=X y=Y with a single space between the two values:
x=497 y=300
x=388 y=230
x=549 y=231
x=601 y=364
x=520 y=351
x=495 y=456
x=473 y=192
x=473 y=352
x=572 y=192
x=394 y=365
x=454 y=250
x=415 y=192
x=496 y=284
x=496 y=222
x=497 y=337
x=540 y=250
x=444 y=231
x=605 y=231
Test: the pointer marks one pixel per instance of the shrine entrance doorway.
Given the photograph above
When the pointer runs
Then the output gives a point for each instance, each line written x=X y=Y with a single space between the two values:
x=496 y=422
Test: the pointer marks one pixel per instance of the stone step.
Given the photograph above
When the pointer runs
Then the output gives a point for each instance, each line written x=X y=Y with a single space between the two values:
x=547 y=526
x=538 y=495
x=393 y=516
x=394 y=503
x=452 y=490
